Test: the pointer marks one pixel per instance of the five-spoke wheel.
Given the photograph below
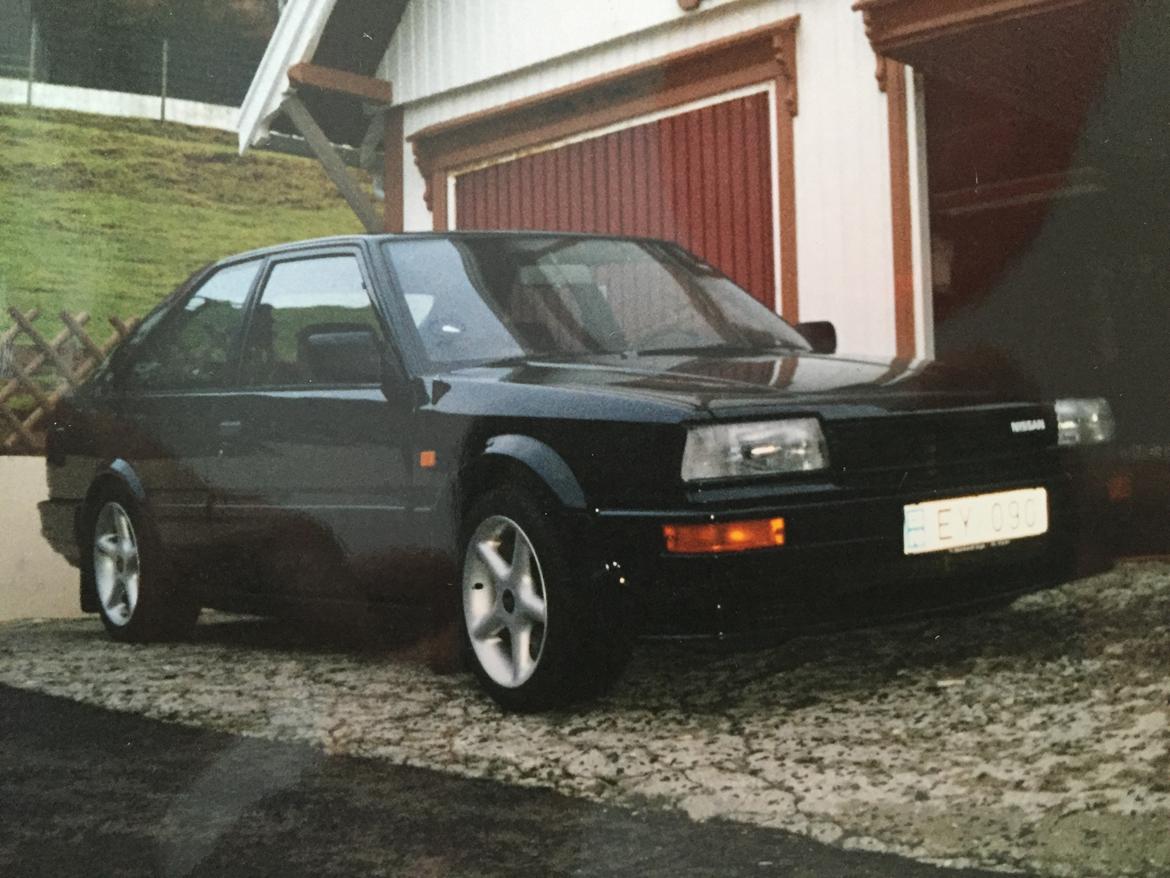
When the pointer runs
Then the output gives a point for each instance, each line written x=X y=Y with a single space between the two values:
x=540 y=629
x=116 y=563
x=125 y=573
x=504 y=601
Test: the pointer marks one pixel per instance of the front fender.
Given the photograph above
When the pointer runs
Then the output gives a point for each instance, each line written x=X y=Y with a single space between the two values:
x=122 y=471
x=548 y=466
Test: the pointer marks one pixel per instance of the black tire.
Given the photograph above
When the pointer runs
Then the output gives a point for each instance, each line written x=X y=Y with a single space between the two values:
x=160 y=611
x=580 y=655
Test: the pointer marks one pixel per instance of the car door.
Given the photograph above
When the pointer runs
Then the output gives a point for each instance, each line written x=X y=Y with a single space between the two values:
x=315 y=467
x=172 y=390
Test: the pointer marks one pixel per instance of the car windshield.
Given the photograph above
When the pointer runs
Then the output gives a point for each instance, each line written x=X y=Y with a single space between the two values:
x=495 y=299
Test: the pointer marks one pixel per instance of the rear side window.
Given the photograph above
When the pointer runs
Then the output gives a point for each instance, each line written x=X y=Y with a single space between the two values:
x=314 y=325
x=194 y=346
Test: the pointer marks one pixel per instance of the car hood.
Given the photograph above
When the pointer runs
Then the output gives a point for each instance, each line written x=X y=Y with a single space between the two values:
x=745 y=385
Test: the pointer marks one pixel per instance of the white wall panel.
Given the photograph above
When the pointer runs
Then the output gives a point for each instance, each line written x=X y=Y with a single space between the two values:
x=118 y=103
x=844 y=234
x=454 y=57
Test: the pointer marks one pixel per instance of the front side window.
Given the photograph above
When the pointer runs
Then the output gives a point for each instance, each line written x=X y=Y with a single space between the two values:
x=193 y=347
x=492 y=298
x=314 y=325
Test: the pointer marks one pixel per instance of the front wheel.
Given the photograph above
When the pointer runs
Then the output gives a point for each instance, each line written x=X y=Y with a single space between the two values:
x=536 y=638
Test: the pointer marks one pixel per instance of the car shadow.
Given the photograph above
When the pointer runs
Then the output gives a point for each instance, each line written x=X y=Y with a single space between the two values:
x=850 y=660
x=840 y=660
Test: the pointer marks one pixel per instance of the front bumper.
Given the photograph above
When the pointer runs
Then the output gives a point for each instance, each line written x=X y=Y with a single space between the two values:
x=843 y=564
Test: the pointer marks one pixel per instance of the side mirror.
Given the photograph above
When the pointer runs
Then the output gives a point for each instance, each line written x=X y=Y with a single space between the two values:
x=821 y=334
x=340 y=353
x=353 y=353
x=398 y=386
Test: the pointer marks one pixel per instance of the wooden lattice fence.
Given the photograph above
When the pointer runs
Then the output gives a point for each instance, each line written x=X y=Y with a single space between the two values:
x=36 y=372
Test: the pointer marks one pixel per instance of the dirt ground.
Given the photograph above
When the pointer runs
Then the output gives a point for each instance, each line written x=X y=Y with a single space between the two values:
x=1033 y=738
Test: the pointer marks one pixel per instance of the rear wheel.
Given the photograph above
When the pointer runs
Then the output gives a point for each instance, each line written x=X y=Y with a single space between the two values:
x=128 y=575
x=535 y=637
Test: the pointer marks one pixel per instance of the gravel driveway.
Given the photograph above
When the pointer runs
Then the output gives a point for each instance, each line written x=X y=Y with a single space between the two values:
x=1033 y=738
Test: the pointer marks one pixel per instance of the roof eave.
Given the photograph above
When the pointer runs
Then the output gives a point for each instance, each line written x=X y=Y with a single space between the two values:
x=294 y=41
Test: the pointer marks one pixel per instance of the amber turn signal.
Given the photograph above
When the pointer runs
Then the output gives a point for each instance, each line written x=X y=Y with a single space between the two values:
x=726 y=536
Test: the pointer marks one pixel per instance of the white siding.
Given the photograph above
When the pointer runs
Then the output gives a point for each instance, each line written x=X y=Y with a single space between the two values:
x=445 y=44
x=454 y=57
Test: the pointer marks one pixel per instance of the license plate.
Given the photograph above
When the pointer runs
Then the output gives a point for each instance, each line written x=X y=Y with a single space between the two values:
x=974 y=520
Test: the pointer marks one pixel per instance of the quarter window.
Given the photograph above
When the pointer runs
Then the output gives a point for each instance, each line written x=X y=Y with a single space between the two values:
x=314 y=325
x=194 y=346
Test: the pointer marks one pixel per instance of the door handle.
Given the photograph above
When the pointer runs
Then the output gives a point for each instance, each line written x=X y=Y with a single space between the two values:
x=230 y=429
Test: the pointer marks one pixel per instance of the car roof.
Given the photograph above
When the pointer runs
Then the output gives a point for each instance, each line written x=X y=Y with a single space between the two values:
x=333 y=240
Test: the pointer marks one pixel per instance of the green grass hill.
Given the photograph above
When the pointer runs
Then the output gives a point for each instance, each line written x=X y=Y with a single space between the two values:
x=109 y=215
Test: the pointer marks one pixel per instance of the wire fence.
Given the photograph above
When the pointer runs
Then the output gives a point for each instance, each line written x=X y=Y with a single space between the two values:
x=190 y=67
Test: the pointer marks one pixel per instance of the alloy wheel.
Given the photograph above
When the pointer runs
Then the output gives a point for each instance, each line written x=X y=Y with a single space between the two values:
x=504 y=601
x=116 y=563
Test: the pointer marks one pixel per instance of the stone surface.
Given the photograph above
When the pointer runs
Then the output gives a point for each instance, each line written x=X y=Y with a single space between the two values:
x=1034 y=738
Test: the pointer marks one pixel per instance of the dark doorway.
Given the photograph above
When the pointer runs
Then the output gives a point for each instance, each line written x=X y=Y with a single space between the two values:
x=1051 y=248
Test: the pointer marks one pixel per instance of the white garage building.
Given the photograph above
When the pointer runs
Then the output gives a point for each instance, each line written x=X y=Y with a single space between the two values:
x=787 y=142
x=755 y=132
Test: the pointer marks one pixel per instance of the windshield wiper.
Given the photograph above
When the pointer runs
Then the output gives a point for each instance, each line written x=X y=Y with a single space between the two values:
x=714 y=349
x=524 y=359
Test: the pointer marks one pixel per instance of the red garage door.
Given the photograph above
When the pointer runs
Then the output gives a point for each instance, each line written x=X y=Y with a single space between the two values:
x=701 y=178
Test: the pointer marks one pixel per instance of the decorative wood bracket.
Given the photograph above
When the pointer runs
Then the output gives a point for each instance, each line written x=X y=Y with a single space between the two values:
x=882 y=73
x=424 y=168
x=784 y=49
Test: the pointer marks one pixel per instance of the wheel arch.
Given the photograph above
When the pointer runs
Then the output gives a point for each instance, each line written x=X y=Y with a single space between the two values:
x=117 y=472
x=518 y=458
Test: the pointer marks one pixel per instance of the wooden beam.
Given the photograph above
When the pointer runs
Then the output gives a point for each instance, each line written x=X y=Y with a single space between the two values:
x=901 y=215
x=895 y=25
x=1039 y=189
x=376 y=91
x=393 y=143
x=334 y=167
x=291 y=144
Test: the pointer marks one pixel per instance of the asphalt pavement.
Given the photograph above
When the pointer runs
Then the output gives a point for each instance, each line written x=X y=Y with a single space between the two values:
x=88 y=791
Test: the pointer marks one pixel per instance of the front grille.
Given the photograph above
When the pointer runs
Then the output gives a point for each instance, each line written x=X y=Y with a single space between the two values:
x=941 y=447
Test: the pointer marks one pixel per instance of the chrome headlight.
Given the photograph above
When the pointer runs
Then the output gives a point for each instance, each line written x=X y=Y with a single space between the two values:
x=1084 y=421
x=723 y=451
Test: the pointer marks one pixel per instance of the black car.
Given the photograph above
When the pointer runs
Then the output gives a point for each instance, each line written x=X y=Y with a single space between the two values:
x=575 y=439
